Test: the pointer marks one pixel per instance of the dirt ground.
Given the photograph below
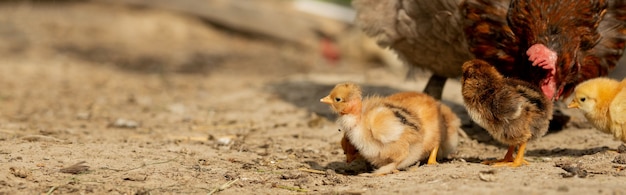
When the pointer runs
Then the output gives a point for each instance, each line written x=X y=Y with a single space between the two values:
x=106 y=99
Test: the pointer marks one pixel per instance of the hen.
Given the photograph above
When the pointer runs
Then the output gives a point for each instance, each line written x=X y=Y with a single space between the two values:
x=603 y=102
x=552 y=44
x=425 y=34
x=511 y=110
x=394 y=132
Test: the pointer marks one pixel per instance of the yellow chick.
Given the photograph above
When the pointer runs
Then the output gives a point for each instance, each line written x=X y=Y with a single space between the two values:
x=397 y=131
x=603 y=102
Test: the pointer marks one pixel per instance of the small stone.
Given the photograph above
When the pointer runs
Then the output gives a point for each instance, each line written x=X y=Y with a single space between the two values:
x=620 y=159
x=224 y=140
x=124 y=123
x=488 y=176
x=135 y=176
x=621 y=148
x=291 y=175
x=20 y=172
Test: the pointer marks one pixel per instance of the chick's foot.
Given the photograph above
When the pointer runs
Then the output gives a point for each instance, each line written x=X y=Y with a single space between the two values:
x=507 y=158
x=432 y=159
x=509 y=161
x=384 y=170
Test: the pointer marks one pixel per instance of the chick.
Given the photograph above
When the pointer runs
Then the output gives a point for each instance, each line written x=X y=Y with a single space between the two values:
x=603 y=102
x=352 y=153
x=394 y=132
x=512 y=111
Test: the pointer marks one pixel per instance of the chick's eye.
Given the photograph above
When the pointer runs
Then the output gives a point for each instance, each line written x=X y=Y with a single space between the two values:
x=337 y=99
x=583 y=99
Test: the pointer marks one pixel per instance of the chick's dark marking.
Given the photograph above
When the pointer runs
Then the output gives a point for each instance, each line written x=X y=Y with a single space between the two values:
x=401 y=114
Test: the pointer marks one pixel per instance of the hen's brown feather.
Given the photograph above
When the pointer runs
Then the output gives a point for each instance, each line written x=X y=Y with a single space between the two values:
x=587 y=35
x=425 y=33
x=604 y=56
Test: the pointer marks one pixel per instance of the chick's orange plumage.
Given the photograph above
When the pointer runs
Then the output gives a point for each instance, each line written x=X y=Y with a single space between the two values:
x=394 y=132
x=603 y=102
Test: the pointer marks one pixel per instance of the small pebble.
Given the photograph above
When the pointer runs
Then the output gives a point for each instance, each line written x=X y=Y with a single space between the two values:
x=125 y=123
x=135 y=176
x=621 y=149
x=20 y=172
x=488 y=176
x=620 y=159
x=225 y=140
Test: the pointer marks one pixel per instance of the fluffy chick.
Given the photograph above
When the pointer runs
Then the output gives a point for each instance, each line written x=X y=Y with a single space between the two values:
x=351 y=153
x=603 y=102
x=394 y=132
x=511 y=110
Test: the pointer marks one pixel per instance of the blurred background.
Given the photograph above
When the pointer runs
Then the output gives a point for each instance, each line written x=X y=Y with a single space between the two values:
x=189 y=36
x=233 y=86
x=277 y=37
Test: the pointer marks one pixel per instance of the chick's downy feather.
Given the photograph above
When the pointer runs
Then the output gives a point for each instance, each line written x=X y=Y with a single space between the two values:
x=511 y=110
x=603 y=102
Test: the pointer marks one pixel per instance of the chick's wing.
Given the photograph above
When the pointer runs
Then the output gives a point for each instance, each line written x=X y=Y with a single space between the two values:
x=383 y=125
x=509 y=105
x=617 y=110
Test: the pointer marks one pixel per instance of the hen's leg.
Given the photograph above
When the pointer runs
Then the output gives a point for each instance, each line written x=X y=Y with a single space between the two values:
x=519 y=158
x=434 y=87
x=507 y=158
x=432 y=159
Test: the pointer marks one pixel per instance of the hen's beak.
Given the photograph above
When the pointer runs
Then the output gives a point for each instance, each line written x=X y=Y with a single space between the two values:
x=572 y=104
x=326 y=100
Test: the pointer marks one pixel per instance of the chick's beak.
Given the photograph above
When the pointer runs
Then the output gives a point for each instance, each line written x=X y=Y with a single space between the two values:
x=326 y=100
x=572 y=104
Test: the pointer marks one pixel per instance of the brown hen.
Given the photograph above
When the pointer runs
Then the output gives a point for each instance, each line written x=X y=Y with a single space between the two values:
x=425 y=34
x=553 y=44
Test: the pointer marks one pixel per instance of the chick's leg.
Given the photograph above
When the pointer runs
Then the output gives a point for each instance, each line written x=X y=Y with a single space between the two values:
x=384 y=170
x=432 y=159
x=507 y=158
x=519 y=158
